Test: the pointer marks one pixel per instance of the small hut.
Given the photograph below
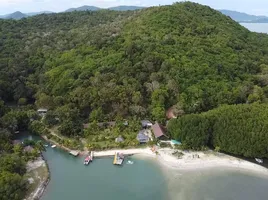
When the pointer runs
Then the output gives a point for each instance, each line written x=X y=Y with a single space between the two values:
x=119 y=139
x=146 y=124
x=28 y=149
x=142 y=137
x=42 y=111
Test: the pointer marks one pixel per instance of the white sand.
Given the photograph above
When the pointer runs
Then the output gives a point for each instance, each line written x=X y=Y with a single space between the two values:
x=145 y=151
x=206 y=160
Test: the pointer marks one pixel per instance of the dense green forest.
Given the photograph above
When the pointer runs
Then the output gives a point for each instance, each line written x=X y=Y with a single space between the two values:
x=14 y=156
x=90 y=67
x=110 y=65
x=236 y=129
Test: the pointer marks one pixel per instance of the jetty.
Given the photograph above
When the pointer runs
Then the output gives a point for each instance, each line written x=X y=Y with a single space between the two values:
x=74 y=153
x=128 y=152
x=118 y=159
x=91 y=155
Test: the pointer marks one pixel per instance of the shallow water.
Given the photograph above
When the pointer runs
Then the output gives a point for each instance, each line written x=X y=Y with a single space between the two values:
x=145 y=180
x=70 y=179
x=218 y=184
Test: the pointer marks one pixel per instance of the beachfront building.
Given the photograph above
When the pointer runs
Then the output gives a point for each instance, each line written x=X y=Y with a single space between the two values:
x=142 y=137
x=159 y=132
x=146 y=124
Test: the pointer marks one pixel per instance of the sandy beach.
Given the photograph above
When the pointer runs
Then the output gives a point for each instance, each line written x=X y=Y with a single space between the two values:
x=190 y=160
x=206 y=160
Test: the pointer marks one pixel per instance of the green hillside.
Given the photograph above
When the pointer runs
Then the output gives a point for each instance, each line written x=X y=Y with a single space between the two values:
x=111 y=64
x=236 y=129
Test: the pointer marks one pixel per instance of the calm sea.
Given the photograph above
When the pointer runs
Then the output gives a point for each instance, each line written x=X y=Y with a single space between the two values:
x=256 y=27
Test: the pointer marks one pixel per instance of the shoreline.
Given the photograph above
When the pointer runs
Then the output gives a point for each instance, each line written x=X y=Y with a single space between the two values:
x=40 y=189
x=206 y=160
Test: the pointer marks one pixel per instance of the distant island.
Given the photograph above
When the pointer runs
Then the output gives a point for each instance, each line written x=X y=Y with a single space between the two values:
x=244 y=17
x=19 y=15
x=237 y=16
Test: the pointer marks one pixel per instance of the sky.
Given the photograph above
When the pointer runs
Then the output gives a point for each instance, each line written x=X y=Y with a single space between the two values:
x=256 y=7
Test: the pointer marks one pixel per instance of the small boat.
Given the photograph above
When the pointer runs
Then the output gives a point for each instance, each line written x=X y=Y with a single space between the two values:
x=258 y=160
x=87 y=160
x=53 y=146
x=130 y=162
x=46 y=145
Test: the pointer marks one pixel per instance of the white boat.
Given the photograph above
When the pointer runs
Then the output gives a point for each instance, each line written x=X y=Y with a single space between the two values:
x=258 y=160
x=130 y=162
x=46 y=145
x=87 y=160
x=53 y=146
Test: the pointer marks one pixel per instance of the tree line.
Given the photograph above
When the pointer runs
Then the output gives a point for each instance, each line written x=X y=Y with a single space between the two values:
x=236 y=129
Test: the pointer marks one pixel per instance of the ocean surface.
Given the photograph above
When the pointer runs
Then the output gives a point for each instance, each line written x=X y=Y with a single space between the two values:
x=256 y=27
x=101 y=180
x=145 y=180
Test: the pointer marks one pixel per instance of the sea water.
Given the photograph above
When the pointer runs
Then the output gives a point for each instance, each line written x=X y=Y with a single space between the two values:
x=146 y=179
x=101 y=180
x=256 y=27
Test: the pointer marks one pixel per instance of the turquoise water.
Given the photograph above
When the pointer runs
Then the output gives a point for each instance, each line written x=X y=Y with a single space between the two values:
x=70 y=179
x=145 y=180
x=221 y=185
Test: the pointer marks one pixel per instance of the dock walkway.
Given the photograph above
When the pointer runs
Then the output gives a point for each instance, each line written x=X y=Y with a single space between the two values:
x=123 y=151
x=118 y=158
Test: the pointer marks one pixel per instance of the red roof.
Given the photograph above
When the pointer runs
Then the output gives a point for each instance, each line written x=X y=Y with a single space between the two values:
x=158 y=131
x=170 y=113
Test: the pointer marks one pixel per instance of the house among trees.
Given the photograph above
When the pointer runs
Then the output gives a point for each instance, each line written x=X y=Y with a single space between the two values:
x=42 y=111
x=142 y=137
x=146 y=124
x=16 y=142
x=159 y=132
x=119 y=139
x=28 y=149
x=107 y=124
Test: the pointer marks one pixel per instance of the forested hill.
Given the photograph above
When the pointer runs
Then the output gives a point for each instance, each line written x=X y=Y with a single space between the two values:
x=110 y=64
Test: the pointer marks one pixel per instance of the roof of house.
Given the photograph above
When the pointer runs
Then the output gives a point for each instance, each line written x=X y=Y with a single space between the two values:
x=158 y=131
x=42 y=110
x=16 y=142
x=85 y=126
x=107 y=123
x=170 y=113
x=142 y=137
x=28 y=149
x=119 y=139
x=146 y=121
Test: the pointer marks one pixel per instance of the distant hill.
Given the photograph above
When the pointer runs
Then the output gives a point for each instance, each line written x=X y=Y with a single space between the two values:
x=244 y=17
x=125 y=8
x=16 y=15
x=38 y=13
x=83 y=8
x=20 y=15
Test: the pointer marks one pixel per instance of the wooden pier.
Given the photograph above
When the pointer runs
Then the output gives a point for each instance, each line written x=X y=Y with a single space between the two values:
x=91 y=155
x=74 y=153
x=118 y=159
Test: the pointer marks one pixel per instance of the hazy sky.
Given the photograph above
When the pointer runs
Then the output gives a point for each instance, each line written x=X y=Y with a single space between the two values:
x=258 y=7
